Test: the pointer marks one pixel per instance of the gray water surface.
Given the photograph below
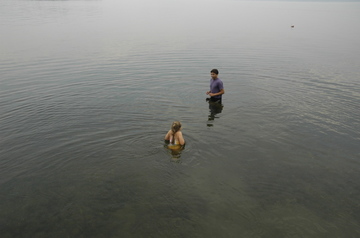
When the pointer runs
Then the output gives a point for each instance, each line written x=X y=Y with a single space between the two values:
x=88 y=90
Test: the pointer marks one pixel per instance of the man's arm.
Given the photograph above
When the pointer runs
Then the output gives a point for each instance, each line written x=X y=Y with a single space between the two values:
x=222 y=91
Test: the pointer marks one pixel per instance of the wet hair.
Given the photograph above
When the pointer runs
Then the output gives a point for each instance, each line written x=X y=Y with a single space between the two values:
x=175 y=127
x=215 y=71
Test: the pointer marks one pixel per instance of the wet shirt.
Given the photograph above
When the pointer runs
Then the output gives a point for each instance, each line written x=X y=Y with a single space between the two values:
x=216 y=86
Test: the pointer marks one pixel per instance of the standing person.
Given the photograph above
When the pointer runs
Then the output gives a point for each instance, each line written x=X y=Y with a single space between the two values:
x=216 y=87
x=174 y=135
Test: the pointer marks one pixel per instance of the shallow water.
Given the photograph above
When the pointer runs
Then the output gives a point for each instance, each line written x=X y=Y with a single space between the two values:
x=89 y=89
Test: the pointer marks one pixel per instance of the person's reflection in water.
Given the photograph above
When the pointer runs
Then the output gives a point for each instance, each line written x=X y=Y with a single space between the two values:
x=214 y=108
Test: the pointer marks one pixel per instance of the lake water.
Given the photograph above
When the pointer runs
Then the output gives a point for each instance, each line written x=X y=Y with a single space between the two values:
x=88 y=90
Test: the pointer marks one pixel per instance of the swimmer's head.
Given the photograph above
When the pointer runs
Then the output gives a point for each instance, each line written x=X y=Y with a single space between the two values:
x=176 y=126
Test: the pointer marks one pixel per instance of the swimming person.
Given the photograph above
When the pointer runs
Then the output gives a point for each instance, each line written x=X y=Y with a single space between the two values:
x=216 y=87
x=174 y=136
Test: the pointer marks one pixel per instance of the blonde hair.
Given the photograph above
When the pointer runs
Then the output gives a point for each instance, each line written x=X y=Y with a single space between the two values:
x=175 y=127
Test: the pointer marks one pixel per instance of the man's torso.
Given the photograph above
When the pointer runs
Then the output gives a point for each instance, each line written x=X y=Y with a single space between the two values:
x=216 y=86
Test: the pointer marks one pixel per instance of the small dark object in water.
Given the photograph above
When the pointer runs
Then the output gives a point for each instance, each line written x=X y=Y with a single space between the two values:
x=292 y=26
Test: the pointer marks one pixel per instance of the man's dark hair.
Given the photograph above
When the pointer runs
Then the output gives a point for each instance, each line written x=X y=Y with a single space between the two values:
x=215 y=71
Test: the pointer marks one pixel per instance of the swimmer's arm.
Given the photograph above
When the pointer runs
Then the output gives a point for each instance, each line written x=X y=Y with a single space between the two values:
x=181 y=138
x=168 y=135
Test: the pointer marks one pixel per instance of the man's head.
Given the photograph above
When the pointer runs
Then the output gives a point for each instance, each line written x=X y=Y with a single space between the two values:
x=214 y=73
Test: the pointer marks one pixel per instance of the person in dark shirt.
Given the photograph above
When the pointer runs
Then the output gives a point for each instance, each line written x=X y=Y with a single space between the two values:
x=216 y=87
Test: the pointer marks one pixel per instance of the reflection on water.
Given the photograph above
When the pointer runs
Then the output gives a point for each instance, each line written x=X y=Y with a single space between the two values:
x=86 y=93
x=215 y=108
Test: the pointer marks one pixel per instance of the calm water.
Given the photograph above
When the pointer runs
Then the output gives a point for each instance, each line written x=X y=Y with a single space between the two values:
x=89 y=89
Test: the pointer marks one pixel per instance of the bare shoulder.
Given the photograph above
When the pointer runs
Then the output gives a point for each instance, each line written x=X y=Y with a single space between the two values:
x=168 y=135
x=180 y=138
